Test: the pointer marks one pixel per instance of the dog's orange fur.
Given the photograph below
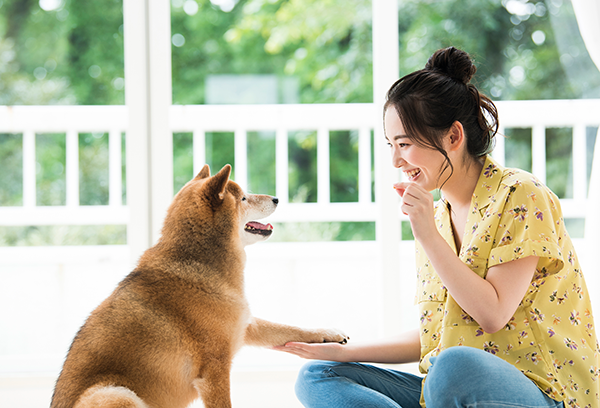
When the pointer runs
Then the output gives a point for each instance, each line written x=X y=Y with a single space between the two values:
x=169 y=331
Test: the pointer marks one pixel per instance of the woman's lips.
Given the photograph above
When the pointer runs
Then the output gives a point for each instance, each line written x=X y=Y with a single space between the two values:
x=412 y=174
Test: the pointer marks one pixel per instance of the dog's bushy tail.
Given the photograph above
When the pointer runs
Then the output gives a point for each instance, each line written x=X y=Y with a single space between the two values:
x=109 y=396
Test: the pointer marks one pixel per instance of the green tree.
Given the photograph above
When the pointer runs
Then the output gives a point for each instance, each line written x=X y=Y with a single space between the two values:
x=71 y=52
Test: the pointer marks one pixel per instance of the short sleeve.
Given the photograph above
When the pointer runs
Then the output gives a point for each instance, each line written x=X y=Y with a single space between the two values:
x=530 y=225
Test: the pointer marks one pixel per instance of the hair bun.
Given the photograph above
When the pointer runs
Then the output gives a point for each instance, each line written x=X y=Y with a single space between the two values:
x=453 y=63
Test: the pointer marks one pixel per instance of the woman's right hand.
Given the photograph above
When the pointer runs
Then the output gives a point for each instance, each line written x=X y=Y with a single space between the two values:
x=417 y=203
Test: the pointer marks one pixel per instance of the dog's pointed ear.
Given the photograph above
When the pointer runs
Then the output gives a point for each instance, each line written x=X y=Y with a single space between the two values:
x=204 y=173
x=216 y=185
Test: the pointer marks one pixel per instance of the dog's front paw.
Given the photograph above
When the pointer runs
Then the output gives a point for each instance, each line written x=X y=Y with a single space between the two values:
x=334 y=336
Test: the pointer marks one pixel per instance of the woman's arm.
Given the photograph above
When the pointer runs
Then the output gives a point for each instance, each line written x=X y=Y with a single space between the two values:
x=405 y=348
x=491 y=301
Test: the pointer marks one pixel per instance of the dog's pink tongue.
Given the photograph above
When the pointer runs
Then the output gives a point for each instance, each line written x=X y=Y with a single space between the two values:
x=260 y=226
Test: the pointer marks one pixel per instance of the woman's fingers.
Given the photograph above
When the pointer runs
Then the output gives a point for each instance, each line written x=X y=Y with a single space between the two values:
x=315 y=351
x=400 y=188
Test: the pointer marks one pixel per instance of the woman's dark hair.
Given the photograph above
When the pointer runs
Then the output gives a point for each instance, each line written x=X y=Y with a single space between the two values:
x=430 y=100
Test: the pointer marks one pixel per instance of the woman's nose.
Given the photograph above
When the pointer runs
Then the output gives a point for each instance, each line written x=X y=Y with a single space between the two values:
x=397 y=160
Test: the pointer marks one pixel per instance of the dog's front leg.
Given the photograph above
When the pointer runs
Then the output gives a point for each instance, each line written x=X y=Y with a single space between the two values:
x=213 y=385
x=263 y=333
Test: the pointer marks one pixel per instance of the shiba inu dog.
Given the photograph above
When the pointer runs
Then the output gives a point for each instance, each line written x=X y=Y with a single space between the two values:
x=167 y=334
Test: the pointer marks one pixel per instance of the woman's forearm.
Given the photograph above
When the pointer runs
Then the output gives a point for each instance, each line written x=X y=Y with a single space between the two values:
x=404 y=348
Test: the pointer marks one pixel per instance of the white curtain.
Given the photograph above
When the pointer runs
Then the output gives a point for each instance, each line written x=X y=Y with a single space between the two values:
x=587 y=13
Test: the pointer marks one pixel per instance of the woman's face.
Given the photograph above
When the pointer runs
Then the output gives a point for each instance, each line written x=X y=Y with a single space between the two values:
x=420 y=165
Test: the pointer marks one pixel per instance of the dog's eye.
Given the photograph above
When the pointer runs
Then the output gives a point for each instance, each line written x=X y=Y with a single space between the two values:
x=243 y=198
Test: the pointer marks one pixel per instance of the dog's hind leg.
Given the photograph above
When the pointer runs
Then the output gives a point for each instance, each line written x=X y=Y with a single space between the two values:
x=109 y=396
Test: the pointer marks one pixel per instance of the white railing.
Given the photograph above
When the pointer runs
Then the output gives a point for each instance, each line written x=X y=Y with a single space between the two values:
x=282 y=119
x=70 y=120
x=541 y=115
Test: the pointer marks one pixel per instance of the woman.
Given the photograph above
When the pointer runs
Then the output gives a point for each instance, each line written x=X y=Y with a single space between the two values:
x=505 y=313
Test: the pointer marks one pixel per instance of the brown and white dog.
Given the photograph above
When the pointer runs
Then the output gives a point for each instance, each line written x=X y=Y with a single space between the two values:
x=168 y=333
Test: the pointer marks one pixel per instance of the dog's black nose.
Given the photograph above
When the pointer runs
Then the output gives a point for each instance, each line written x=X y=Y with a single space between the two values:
x=276 y=200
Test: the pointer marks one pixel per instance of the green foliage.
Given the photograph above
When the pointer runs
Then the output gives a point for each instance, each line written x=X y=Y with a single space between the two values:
x=261 y=163
x=559 y=161
x=55 y=235
x=302 y=148
x=11 y=182
x=93 y=168
x=323 y=231
x=74 y=53
x=183 y=160
x=316 y=51
x=69 y=55
x=220 y=151
x=95 y=59
x=343 y=147
x=518 y=148
x=326 y=44
x=51 y=177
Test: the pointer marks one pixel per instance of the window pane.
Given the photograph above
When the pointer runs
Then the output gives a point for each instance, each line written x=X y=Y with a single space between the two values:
x=183 y=160
x=51 y=177
x=559 y=161
x=591 y=140
x=343 y=149
x=61 y=52
x=302 y=166
x=93 y=168
x=271 y=52
x=518 y=148
x=575 y=226
x=220 y=151
x=261 y=162
x=11 y=158
x=56 y=235
x=124 y=168
x=522 y=49
x=323 y=231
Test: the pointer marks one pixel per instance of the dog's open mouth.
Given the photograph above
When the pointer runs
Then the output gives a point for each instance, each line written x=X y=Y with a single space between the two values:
x=254 y=227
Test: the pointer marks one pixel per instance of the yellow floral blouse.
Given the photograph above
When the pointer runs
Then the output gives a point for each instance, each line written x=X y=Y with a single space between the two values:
x=551 y=337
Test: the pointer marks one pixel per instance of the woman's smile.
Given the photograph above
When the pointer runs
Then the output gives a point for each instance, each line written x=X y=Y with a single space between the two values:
x=413 y=174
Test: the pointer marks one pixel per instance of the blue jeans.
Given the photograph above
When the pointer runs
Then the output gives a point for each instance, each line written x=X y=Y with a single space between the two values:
x=458 y=377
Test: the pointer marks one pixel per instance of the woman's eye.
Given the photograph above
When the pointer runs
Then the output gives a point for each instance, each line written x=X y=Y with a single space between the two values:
x=402 y=144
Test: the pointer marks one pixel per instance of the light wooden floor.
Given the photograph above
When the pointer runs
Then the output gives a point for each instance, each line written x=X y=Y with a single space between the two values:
x=249 y=390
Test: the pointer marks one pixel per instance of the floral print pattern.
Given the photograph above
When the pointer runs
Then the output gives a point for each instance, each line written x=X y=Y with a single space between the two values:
x=551 y=338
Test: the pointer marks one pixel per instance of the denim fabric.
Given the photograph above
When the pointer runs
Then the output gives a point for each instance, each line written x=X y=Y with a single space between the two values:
x=459 y=377
x=348 y=385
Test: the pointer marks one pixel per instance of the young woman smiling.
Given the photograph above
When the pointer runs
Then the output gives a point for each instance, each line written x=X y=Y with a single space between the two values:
x=505 y=314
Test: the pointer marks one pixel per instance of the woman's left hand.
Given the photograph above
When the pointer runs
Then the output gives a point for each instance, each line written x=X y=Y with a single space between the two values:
x=314 y=351
x=417 y=203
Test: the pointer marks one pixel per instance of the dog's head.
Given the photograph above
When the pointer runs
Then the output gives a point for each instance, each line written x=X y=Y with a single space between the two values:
x=215 y=207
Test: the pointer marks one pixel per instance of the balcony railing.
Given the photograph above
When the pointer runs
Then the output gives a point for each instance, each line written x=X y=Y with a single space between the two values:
x=281 y=119
x=312 y=281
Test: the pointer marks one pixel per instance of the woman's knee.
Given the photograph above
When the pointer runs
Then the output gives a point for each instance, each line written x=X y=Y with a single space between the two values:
x=310 y=375
x=450 y=370
x=459 y=359
x=314 y=368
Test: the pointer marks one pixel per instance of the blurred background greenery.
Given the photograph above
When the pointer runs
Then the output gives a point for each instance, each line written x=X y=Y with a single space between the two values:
x=272 y=51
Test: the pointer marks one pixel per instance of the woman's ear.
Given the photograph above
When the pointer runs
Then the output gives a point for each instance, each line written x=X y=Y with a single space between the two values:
x=456 y=136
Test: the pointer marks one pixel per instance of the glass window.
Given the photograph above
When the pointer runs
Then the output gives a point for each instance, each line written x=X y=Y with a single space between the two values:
x=253 y=51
